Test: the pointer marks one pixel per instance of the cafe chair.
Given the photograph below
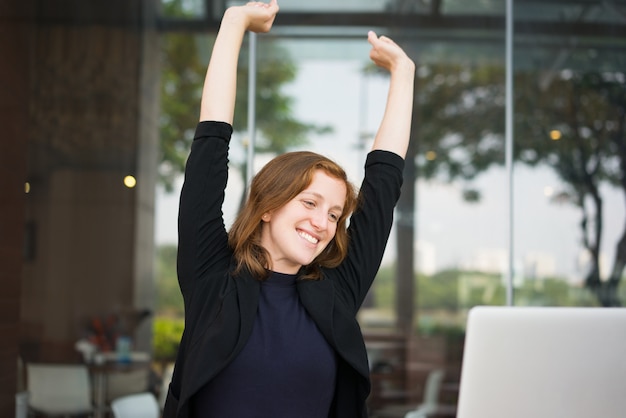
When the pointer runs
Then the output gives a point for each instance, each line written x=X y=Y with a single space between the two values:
x=139 y=405
x=58 y=390
x=431 y=396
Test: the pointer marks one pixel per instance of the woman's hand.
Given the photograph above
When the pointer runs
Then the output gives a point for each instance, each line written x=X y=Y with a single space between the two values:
x=386 y=54
x=255 y=16
x=220 y=83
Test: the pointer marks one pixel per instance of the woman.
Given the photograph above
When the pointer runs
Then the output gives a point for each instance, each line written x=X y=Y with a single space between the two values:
x=270 y=307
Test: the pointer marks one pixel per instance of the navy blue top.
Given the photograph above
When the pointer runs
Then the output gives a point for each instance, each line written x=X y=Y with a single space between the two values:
x=286 y=370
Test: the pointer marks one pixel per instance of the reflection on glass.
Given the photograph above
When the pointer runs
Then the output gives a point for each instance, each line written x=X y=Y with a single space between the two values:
x=183 y=8
x=569 y=158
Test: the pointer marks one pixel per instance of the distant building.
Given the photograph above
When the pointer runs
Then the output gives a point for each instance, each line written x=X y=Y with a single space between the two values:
x=425 y=260
x=487 y=260
x=539 y=265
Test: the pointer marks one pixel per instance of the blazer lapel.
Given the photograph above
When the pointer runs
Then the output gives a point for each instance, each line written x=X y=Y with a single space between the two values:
x=248 y=290
x=232 y=338
x=317 y=296
x=338 y=326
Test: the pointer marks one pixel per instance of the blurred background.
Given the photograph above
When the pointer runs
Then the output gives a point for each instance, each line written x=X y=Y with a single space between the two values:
x=515 y=185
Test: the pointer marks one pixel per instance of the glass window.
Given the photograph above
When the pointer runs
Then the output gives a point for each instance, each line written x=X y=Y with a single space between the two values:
x=568 y=199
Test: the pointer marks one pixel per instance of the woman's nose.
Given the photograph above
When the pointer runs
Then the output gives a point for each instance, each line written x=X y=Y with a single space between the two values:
x=319 y=220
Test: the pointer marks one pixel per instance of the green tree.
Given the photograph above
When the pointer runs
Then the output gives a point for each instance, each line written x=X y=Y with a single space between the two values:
x=461 y=114
x=579 y=130
x=167 y=334
x=168 y=323
x=185 y=58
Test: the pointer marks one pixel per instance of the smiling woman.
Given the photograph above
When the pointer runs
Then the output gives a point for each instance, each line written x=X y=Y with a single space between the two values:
x=279 y=183
x=297 y=233
x=264 y=300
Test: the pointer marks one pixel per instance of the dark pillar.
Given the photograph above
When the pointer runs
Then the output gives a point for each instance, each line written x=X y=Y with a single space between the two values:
x=78 y=111
x=15 y=29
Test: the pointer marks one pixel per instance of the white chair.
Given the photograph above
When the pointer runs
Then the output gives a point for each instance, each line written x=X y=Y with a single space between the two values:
x=431 y=396
x=139 y=405
x=58 y=389
x=165 y=383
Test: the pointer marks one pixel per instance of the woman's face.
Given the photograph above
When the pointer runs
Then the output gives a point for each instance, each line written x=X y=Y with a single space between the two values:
x=296 y=233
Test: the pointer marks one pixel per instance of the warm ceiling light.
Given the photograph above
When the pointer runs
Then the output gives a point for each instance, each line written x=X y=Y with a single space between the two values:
x=555 y=134
x=130 y=181
x=27 y=187
x=431 y=155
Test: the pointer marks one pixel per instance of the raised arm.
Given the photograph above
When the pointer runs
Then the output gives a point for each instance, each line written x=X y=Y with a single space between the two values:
x=394 y=131
x=218 y=94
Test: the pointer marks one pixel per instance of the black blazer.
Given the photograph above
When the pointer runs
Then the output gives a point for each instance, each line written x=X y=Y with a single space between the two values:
x=220 y=309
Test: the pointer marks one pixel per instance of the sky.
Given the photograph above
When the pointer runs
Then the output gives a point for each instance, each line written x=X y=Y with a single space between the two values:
x=452 y=233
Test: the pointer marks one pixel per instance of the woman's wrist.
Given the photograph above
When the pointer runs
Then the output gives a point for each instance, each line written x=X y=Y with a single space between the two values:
x=235 y=17
x=253 y=17
x=404 y=68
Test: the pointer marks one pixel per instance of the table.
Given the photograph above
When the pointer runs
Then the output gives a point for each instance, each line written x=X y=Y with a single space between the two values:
x=106 y=364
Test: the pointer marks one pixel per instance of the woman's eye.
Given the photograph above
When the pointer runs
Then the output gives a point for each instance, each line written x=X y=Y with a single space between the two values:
x=333 y=217
x=309 y=203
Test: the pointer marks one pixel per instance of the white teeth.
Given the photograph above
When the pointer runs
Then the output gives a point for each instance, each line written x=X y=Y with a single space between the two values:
x=308 y=237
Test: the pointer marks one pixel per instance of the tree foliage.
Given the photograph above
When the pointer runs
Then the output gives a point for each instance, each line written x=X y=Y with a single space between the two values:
x=168 y=324
x=167 y=334
x=185 y=58
x=455 y=290
x=460 y=110
x=577 y=127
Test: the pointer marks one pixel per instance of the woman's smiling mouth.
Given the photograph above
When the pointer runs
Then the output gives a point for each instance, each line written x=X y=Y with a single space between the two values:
x=308 y=237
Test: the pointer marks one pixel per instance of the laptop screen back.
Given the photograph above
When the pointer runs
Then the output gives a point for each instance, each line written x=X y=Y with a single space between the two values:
x=544 y=363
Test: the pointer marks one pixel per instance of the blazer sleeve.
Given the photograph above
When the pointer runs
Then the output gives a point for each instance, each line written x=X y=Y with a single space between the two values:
x=202 y=237
x=370 y=225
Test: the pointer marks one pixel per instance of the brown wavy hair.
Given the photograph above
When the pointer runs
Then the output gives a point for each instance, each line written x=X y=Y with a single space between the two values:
x=277 y=183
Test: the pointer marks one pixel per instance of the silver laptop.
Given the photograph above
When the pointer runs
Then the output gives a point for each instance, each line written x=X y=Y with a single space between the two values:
x=531 y=362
